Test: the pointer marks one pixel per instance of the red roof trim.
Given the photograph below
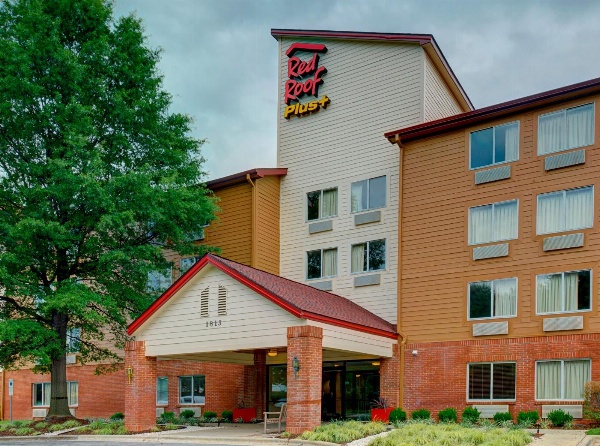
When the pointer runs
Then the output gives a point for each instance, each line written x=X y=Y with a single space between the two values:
x=240 y=177
x=419 y=38
x=295 y=311
x=495 y=111
x=310 y=47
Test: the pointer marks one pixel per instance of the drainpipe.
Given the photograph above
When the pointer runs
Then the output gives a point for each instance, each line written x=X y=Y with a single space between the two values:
x=2 y=394
x=402 y=339
x=253 y=222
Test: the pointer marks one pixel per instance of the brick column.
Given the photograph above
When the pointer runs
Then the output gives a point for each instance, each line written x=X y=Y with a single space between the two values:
x=304 y=387
x=260 y=395
x=140 y=393
x=389 y=373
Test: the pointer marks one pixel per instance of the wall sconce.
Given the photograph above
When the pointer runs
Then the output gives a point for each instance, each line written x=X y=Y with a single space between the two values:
x=272 y=352
x=129 y=374
x=375 y=363
x=415 y=352
x=296 y=366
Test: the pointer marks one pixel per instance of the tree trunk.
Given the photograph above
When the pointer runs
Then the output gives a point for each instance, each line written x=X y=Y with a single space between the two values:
x=59 y=403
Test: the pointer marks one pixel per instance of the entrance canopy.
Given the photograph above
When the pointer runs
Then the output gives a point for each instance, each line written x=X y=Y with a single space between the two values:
x=223 y=311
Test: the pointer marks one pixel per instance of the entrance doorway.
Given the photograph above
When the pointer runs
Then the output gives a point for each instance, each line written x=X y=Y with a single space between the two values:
x=348 y=389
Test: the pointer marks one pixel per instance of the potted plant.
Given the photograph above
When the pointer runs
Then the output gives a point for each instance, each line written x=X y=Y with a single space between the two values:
x=246 y=414
x=380 y=410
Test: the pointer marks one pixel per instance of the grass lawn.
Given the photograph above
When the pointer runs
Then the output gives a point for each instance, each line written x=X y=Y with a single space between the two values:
x=418 y=434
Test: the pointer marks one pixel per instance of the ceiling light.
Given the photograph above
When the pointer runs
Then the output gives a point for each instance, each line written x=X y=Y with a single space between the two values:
x=272 y=352
x=375 y=363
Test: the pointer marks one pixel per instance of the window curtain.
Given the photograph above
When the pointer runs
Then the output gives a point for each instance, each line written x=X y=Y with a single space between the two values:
x=330 y=262
x=357 y=191
x=549 y=293
x=73 y=393
x=480 y=227
x=358 y=258
x=550 y=213
x=551 y=133
x=511 y=142
x=505 y=297
x=548 y=380
x=47 y=387
x=330 y=203
x=571 y=282
x=577 y=373
x=505 y=221
x=579 y=205
x=162 y=390
x=580 y=126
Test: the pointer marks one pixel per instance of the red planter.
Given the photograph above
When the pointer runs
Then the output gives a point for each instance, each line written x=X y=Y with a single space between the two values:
x=381 y=414
x=246 y=414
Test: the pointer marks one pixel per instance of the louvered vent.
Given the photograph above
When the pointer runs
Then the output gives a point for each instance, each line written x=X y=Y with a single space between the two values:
x=563 y=323
x=320 y=226
x=564 y=160
x=222 y=301
x=487 y=176
x=563 y=242
x=489 y=410
x=369 y=217
x=204 y=302
x=490 y=252
x=490 y=328
x=575 y=410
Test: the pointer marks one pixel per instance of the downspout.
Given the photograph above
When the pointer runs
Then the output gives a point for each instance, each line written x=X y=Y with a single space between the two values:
x=402 y=337
x=253 y=222
x=2 y=394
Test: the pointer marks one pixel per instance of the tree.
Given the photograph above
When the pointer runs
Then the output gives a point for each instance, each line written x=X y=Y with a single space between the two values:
x=95 y=176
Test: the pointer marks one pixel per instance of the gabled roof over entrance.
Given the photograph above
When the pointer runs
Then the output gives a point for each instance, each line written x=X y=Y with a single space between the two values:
x=298 y=299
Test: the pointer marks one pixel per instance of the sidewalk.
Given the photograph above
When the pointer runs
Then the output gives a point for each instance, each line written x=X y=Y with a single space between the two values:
x=555 y=437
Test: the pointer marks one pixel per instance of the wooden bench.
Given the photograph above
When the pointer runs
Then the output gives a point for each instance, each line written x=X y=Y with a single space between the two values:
x=275 y=417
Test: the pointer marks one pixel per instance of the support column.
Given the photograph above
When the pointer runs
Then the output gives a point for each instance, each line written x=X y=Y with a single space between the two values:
x=389 y=382
x=140 y=390
x=260 y=395
x=304 y=349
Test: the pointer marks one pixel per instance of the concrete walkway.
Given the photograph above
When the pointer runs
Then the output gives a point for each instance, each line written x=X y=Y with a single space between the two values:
x=556 y=437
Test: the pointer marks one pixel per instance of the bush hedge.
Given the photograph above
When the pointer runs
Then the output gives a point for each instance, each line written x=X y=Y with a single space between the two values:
x=448 y=415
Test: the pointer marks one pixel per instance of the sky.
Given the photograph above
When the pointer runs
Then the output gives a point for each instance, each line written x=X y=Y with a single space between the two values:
x=219 y=59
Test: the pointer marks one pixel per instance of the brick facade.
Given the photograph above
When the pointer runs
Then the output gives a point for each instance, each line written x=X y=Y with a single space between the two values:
x=389 y=372
x=304 y=387
x=140 y=392
x=436 y=377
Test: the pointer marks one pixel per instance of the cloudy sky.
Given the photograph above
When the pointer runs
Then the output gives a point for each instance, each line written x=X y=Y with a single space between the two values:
x=220 y=61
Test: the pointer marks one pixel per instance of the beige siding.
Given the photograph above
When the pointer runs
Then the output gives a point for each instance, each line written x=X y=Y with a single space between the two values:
x=439 y=100
x=178 y=329
x=267 y=225
x=345 y=340
x=373 y=87
x=437 y=261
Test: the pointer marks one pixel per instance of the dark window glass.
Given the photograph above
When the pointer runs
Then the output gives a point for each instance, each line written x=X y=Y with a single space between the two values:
x=480 y=300
x=583 y=290
x=377 y=193
x=493 y=381
x=482 y=150
x=313 y=199
x=479 y=381
x=376 y=255
x=313 y=270
x=504 y=381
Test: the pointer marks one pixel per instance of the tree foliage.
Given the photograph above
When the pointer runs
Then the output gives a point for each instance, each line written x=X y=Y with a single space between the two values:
x=96 y=174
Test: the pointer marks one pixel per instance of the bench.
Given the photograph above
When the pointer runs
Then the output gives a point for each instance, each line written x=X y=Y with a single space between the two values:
x=275 y=417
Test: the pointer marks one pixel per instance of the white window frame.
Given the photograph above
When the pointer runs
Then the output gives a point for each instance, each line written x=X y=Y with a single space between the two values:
x=469 y=364
x=322 y=251
x=562 y=273
x=162 y=402
x=368 y=181
x=492 y=298
x=320 y=217
x=368 y=247
x=48 y=384
x=494 y=127
x=562 y=375
x=564 y=142
x=493 y=240
x=563 y=211
x=192 y=403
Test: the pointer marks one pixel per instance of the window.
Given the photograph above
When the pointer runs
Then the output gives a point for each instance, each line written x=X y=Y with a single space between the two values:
x=565 y=210
x=369 y=256
x=494 y=298
x=321 y=204
x=368 y=194
x=566 y=129
x=321 y=263
x=73 y=339
x=492 y=381
x=564 y=292
x=561 y=380
x=493 y=222
x=191 y=389
x=495 y=145
x=41 y=393
x=162 y=390
x=186 y=263
x=159 y=281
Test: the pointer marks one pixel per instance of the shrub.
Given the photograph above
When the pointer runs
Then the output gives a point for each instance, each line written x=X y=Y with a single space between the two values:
x=23 y=431
x=227 y=415
x=470 y=415
x=167 y=417
x=41 y=425
x=527 y=418
x=448 y=415
x=187 y=413
x=559 y=417
x=209 y=415
x=591 y=400
x=71 y=423
x=397 y=415
x=117 y=416
x=501 y=417
x=421 y=414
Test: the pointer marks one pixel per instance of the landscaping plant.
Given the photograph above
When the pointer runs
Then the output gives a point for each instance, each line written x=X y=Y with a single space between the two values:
x=117 y=416
x=559 y=417
x=421 y=414
x=502 y=417
x=186 y=414
x=470 y=415
x=591 y=400
x=343 y=431
x=397 y=415
x=209 y=415
x=227 y=415
x=448 y=415
x=528 y=418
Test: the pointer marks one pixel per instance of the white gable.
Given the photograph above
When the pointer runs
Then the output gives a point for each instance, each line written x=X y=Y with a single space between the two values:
x=180 y=328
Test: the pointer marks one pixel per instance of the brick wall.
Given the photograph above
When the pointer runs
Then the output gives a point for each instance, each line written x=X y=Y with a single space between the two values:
x=304 y=388
x=140 y=393
x=436 y=377
x=389 y=372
